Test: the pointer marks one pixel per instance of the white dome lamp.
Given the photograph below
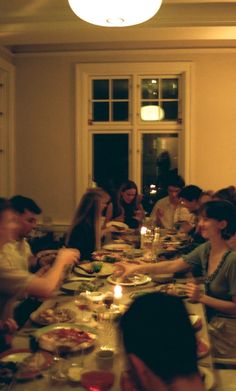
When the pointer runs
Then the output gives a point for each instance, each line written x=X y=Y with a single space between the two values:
x=115 y=13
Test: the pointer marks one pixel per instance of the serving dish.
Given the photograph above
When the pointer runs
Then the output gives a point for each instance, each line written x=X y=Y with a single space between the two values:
x=52 y=315
x=81 y=286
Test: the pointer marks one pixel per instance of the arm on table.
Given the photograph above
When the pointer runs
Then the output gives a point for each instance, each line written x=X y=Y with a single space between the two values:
x=177 y=265
x=45 y=285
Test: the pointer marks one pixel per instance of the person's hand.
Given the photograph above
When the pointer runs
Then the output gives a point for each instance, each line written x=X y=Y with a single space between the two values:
x=10 y=326
x=46 y=257
x=194 y=291
x=124 y=269
x=68 y=256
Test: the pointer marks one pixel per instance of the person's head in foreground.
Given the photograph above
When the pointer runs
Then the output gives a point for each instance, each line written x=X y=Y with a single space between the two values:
x=160 y=342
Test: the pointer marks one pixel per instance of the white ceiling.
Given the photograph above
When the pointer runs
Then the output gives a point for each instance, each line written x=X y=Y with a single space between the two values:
x=50 y=25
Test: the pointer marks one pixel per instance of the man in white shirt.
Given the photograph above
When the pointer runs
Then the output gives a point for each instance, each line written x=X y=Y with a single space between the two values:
x=168 y=210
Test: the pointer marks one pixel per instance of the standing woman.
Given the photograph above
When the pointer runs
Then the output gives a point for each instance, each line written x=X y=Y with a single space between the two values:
x=86 y=229
x=129 y=208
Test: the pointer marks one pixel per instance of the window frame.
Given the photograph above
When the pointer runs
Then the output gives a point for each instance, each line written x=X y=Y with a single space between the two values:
x=84 y=128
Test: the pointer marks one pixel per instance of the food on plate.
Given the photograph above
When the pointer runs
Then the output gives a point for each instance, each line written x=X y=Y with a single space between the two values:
x=81 y=286
x=21 y=364
x=94 y=269
x=203 y=347
x=57 y=315
x=138 y=279
x=107 y=256
x=196 y=321
x=66 y=339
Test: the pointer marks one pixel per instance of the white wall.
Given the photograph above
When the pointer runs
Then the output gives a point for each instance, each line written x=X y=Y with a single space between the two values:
x=45 y=114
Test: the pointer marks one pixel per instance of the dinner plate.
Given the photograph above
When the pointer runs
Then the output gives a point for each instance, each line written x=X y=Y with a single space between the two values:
x=138 y=279
x=106 y=270
x=68 y=335
x=117 y=247
x=207 y=377
x=49 y=316
x=30 y=364
x=80 y=286
x=118 y=225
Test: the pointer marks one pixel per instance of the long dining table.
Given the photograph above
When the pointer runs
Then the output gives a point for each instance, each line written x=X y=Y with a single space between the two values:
x=108 y=335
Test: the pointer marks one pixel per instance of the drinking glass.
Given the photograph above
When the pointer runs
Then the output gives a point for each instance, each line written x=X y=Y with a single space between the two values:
x=82 y=304
x=97 y=380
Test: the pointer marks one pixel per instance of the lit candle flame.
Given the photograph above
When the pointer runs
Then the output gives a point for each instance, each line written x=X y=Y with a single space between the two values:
x=118 y=292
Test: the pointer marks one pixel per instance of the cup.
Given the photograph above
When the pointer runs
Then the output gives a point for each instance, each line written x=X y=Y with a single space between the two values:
x=105 y=359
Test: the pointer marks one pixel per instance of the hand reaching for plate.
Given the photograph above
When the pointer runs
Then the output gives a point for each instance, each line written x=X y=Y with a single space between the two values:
x=125 y=268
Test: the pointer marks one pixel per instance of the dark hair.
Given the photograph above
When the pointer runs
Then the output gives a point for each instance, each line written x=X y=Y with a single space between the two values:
x=156 y=328
x=21 y=203
x=227 y=193
x=175 y=180
x=4 y=205
x=221 y=210
x=190 y=193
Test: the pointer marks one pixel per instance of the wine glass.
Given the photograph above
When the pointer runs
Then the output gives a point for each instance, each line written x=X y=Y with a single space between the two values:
x=97 y=380
x=82 y=303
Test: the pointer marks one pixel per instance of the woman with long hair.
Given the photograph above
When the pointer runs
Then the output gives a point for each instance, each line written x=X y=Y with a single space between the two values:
x=217 y=263
x=86 y=230
x=127 y=207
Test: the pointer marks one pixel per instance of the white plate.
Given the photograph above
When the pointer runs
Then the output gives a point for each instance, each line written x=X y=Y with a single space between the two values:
x=117 y=247
x=121 y=227
x=138 y=279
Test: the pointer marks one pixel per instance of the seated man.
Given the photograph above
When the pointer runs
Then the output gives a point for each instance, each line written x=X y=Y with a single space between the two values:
x=191 y=198
x=17 y=283
x=27 y=212
x=168 y=210
x=161 y=346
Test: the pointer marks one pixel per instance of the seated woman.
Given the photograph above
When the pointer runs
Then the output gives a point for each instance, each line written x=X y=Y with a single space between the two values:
x=217 y=262
x=128 y=207
x=86 y=229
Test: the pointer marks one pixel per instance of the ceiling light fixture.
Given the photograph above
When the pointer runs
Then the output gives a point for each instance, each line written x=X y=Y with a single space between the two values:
x=152 y=113
x=115 y=13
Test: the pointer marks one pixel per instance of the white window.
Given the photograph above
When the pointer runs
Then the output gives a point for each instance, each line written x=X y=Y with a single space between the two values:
x=127 y=115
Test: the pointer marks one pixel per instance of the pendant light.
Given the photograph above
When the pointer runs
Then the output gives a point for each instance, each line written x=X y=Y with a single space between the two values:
x=115 y=13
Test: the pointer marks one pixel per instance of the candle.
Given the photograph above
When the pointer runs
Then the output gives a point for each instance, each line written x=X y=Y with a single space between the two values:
x=143 y=232
x=117 y=293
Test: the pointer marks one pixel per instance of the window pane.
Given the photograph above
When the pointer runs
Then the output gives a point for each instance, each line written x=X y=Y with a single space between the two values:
x=149 y=88
x=120 y=89
x=100 y=89
x=120 y=111
x=110 y=159
x=100 y=111
x=170 y=110
x=152 y=146
x=169 y=88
